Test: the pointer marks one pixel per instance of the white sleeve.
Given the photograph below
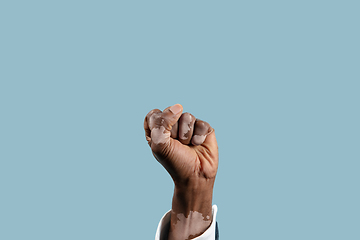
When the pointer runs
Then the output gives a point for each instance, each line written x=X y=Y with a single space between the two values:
x=209 y=234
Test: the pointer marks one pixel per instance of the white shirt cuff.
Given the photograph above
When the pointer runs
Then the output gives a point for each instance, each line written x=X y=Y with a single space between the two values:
x=209 y=234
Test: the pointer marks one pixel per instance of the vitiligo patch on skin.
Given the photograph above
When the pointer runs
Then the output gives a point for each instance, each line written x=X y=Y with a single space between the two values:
x=202 y=130
x=159 y=135
x=155 y=118
x=198 y=139
x=196 y=220
x=185 y=126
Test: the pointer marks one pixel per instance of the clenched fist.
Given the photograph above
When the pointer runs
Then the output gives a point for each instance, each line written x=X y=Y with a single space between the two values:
x=188 y=150
x=184 y=145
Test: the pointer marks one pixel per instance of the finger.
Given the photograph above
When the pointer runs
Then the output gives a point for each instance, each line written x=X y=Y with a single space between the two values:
x=201 y=130
x=210 y=142
x=171 y=115
x=210 y=155
x=174 y=130
x=186 y=128
x=147 y=124
x=161 y=124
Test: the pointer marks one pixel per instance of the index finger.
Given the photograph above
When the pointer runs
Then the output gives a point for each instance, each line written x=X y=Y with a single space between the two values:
x=147 y=126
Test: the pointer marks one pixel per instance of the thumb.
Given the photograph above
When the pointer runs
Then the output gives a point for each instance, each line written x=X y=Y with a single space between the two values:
x=163 y=122
x=171 y=115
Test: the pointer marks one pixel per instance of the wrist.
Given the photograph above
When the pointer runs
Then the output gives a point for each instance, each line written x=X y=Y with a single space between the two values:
x=191 y=212
x=195 y=195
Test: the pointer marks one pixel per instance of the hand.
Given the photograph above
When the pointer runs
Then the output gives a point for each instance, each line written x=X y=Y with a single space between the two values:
x=184 y=145
x=188 y=150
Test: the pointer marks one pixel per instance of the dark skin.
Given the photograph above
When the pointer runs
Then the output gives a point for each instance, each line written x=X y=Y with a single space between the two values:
x=188 y=150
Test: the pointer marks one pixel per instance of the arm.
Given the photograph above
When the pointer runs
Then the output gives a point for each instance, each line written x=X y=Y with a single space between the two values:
x=187 y=149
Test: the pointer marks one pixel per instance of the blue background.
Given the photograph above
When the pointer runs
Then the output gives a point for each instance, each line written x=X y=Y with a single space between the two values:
x=278 y=80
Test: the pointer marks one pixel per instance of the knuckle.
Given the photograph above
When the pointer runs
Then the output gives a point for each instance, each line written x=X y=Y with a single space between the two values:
x=201 y=123
x=155 y=120
x=187 y=116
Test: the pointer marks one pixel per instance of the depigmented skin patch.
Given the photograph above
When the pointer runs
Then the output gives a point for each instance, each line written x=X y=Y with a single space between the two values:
x=155 y=120
x=159 y=135
x=185 y=126
x=198 y=139
x=198 y=223
x=201 y=130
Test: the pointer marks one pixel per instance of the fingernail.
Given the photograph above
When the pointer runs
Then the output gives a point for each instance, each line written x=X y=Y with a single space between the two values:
x=175 y=109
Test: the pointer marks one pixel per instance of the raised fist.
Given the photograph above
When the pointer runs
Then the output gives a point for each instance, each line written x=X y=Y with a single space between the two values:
x=188 y=150
x=184 y=145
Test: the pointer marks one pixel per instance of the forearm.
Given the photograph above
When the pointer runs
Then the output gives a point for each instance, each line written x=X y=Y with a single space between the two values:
x=191 y=212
